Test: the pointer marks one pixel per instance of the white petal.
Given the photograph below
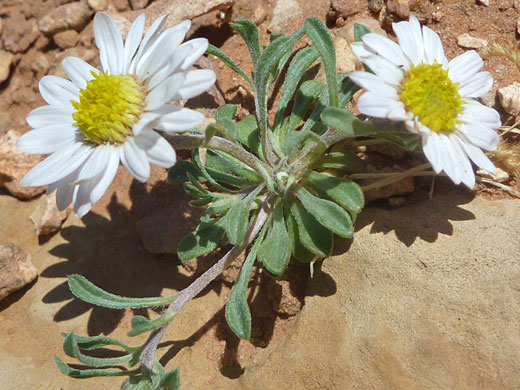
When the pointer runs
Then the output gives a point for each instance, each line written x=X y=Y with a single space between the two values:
x=57 y=165
x=165 y=91
x=410 y=39
x=135 y=160
x=174 y=62
x=146 y=120
x=96 y=163
x=81 y=198
x=47 y=139
x=361 y=50
x=181 y=119
x=432 y=148
x=374 y=104
x=482 y=136
x=384 y=69
x=149 y=38
x=477 y=85
x=78 y=71
x=48 y=115
x=110 y=43
x=477 y=155
x=198 y=48
x=464 y=66
x=452 y=164
x=371 y=82
x=158 y=150
x=58 y=91
x=107 y=175
x=475 y=112
x=466 y=171
x=196 y=82
x=433 y=50
x=132 y=41
x=65 y=190
x=157 y=55
x=385 y=48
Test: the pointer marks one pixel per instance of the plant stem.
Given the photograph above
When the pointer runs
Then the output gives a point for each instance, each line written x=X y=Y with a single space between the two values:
x=396 y=177
x=149 y=354
x=217 y=143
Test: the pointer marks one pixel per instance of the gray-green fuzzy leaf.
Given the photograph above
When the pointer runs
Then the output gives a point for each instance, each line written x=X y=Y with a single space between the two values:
x=202 y=241
x=275 y=251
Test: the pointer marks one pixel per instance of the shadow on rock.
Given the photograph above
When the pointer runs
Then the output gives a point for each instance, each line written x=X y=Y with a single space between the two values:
x=424 y=219
x=108 y=252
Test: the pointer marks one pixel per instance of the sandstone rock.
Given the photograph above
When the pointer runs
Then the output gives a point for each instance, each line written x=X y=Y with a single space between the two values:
x=282 y=12
x=484 y=2
x=14 y=164
x=98 y=5
x=19 y=33
x=400 y=8
x=16 y=269
x=5 y=123
x=66 y=39
x=425 y=298
x=46 y=217
x=467 y=41
x=179 y=10
x=346 y=61
x=375 y=5
x=162 y=231
x=40 y=64
x=68 y=16
x=401 y=187
x=516 y=4
x=5 y=65
x=139 y=4
x=121 y=5
x=509 y=98
x=253 y=10
x=346 y=8
x=388 y=149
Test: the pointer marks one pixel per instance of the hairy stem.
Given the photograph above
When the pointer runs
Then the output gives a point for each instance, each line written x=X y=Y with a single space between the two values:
x=149 y=354
x=398 y=176
x=217 y=143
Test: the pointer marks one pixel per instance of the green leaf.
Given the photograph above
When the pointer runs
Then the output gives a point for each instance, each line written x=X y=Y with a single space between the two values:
x=171 y=380
x=249 y=135
x=229 y=128
x=311 y=234
x=327 y=213
x=95 y=342
x=237 y=218
x=248 y=30
x=237 y=311
x=266 y=65
x=88 y=292
x=298 y=66
x=71 y=348
x=345 y=161
x=221 y=206
x=276 y=249
x=213 y=50
x=224 y=162
x=138 y=382
x=178 y=173
x=343 y=120
x=344 y=192
x=298 y=250
x=90 y=373
x=307 y=94
x=322 y=40
x=142 y=324
x=226 y=111
x=202 y=241
x=346 y=90
x=195 y=190
x=359 y=31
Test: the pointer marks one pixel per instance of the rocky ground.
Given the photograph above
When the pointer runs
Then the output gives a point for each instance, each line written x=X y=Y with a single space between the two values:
x=425 y=297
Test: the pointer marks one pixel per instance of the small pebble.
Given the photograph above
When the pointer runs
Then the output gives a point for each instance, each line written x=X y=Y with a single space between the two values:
x=467 y=41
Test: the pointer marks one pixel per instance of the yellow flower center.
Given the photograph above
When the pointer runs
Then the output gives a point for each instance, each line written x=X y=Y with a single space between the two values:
x=108 y=108
x=428 y=92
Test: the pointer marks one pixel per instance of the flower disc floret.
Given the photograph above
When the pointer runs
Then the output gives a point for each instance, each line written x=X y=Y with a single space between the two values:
x=109 y=106
x=428 y=92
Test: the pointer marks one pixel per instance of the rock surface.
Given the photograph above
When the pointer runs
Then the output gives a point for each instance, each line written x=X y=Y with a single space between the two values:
x=46 y=217
x=282 y=12
x=16 y=269
x=14 y=164
x=467 y=41
x=6 y=59
x=72 y=15
x=509 y=98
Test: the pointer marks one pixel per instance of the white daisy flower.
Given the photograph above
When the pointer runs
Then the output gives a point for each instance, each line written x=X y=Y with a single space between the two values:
x=102 y=117
x=415 y=83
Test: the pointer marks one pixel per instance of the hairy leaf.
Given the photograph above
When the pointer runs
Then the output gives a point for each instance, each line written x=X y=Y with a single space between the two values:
x=275 y=251
x=213 y=50
x=249 y=32
x=202 y=241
